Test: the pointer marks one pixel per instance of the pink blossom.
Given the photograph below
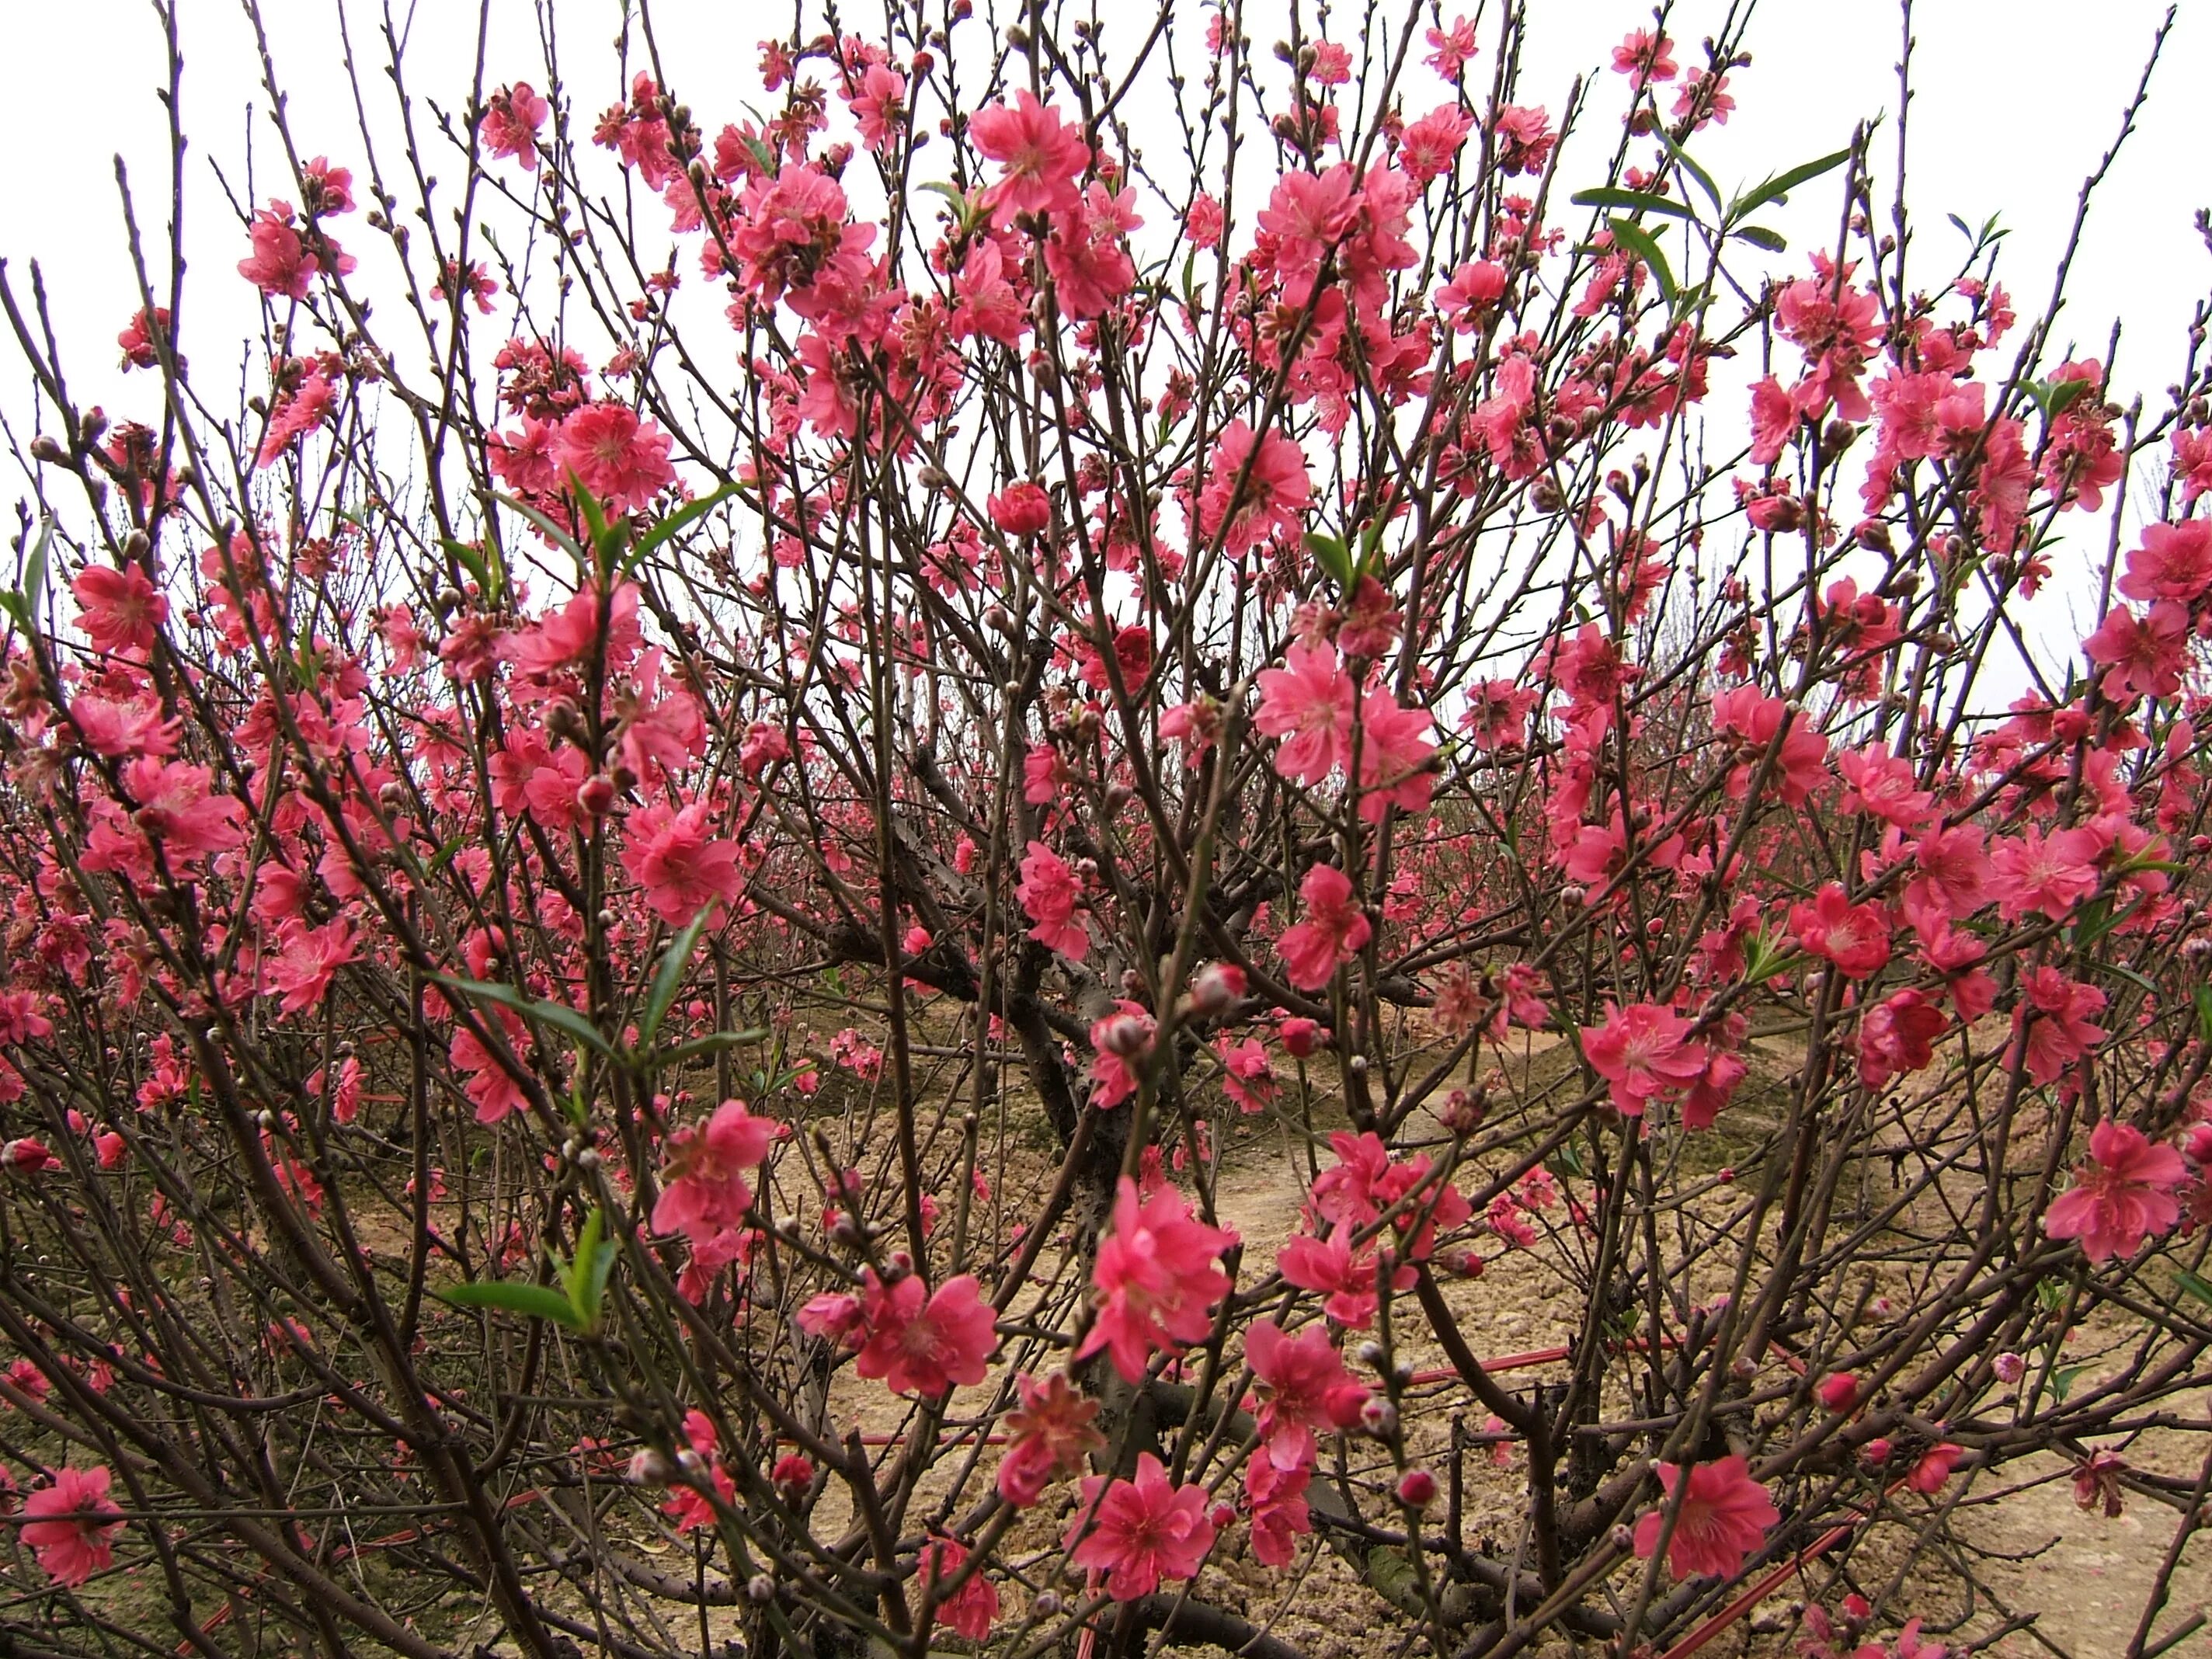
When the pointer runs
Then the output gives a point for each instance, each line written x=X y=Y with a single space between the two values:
x=1041 y=156
x=2141 y=656
x=1022 y=509
x=1724 y=1516
x=1050 y=892
x=674 y=855
x=703 y=1189
x=1243 y=510
x=511 y=117
x=488 y=1087
x=2174 y=562
x=2047 y=873
x=1309 y=702
x=2054 y=1020
x=1049 y=1436
x=1089 y=264
x=2123 y=1196
x=1122 y=1035
x=1275 y=1499
x=1645 y=56
x=1642 y=1051
x=974 y=1609
x=1883 y=784
x=306 y=961
x=1854 y=936
x=1140 y=1531
x=1394 y=752
x=176 y=808
x=1427 y=147
x=296 y=414
x=280 y=265
x=1158 y=1280
x=925 y=1344
x=1934 y=1468
x=622 y=461
x=1305 y=1388
x=1203 y=223
x=67 y=1526
x=1334 y=932
x=1898 y=1035
x=118 y=610
x=1450 y=49
x=1344 y=1279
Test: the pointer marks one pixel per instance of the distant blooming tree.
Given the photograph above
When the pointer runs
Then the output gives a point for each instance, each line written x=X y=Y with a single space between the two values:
x=665 y=891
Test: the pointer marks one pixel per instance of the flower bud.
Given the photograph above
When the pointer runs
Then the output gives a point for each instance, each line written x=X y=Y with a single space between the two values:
x=1126 y=1035
x=1047 y=1604
x=1839 y=1392
x=1379 y=1418
x=1222 y=1515
x=760 y=1589
x=649 y=1466
x=1417 y=1489
x=1623 y=1539
x=1216 y=988
x=2010 y=1367
x=595 y=796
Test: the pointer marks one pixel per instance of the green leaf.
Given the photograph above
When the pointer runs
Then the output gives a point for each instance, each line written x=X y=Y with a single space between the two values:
x=34 y=569
x=1370 y=551
x=1645 y=246
x=587 y=1241
x=1777 y=188
x=470 y=559
x=712 y=1043
x=681 y=520
x=2062 y=395
x=1760 y=236
x=1334 y=557
x=534 y=1300
x=1634 y=201
x=670 y=977
x=23 y=603
x=2204 y=1012
x=1704 y=180
x=2195 y=1286
x=587 y=1274
x=2062 y=1380
x=585 y=1278
x=556 y=1014
x=553 y=532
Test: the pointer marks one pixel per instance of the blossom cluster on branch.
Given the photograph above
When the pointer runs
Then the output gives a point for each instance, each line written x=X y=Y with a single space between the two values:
x=636 y=925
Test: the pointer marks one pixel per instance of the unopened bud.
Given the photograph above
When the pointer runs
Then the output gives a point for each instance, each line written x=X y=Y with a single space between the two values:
x=1417 y=1489
x=595 y=796
x=1216 y=988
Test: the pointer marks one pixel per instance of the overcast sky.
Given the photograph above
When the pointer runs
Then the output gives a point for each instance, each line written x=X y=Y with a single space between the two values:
x=2016 y=99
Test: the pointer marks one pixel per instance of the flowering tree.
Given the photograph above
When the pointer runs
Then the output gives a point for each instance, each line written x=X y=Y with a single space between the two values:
x=633 y=993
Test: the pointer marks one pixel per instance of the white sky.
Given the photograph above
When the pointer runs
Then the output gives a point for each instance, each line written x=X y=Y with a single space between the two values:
x=2016 y=101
